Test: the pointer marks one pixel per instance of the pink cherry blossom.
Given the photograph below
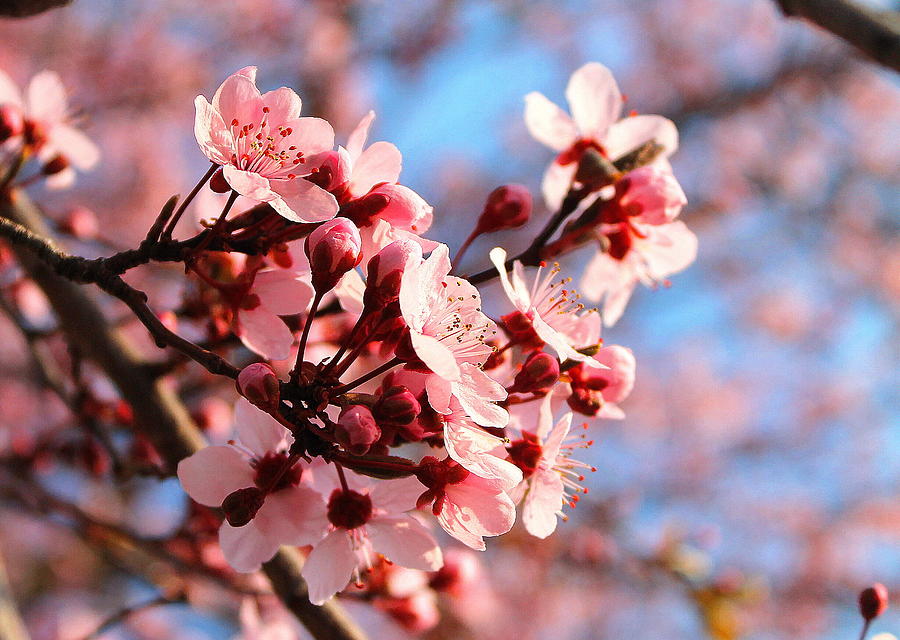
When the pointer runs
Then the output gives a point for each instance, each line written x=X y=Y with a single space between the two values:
x=291 y=513
x=274 y=292
x=47 y=125
x=554 y=310
x=467 y=506
x=652 y=195
x=645 y=254
x=596 y=104
x=611 y=385
x=366 y=520
x=265 y=147
x=549 y=472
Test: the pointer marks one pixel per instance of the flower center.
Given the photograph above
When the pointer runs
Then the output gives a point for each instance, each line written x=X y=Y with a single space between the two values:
x=349 y=509
x=261 y=149
x=525 y=453
x=272 y=473
x=574 y=153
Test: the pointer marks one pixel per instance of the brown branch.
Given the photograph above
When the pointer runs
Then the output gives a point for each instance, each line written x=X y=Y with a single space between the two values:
x=158 y=412
x=875 y=33
x=25 y=8
x=123 y=614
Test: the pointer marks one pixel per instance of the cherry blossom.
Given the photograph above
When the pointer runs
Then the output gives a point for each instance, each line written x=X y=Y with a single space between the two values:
x=596 y=104
x=598 y=392
x=47 y=127
x=366 y=520
x=265 y=147
x=291 y=513
x=477 y=450
x=553 y=310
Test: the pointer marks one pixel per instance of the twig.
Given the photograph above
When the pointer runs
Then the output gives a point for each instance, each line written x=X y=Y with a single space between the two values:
x=123 y=614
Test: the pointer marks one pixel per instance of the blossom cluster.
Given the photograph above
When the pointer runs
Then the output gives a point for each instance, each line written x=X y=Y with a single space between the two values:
x=407 y=405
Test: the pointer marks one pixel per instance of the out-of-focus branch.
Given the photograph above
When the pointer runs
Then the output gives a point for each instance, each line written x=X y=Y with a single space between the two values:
x=11 y=625
x=25 y=8
x=875 y=33
x=158 y=412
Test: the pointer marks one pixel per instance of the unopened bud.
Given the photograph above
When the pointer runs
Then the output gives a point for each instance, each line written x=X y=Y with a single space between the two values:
x=218 y=183
x=11 y=122
x=258 y=383
x=507 y=207
x=415 y=613
x=539 y=373
x=873 y=601
x=80 y=223
x=385 y=271
x=333 y=249
x=397 y=406
x=356 y=429
x=240 y=506
x=56 y=164
x=585 y=401
x=460 y=571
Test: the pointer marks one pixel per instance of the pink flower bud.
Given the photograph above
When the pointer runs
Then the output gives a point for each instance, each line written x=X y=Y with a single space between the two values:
x=416 y=613
x=81 y=223
x=259 y=384
x=218 y=183
x=404 y=208
x=11 y=122
x=384 y=272
x=333 y=249
x=873 y=601
x=240 y=506
x=653 y=194
x=397 y=406
x=460 y=572
x=539 y=373
x=507 y=207
x=356 y=429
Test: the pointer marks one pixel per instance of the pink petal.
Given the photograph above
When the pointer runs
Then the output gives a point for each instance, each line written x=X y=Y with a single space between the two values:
x=77 y=147
x=302 y=201
x=349 y=292
x=483 y=511
x=475 y=391
x=283 y=103
x=595 y=100
x=396 y=496
x=293 y=516
x=309 y=135
x=549 y=124
x=258 y=431
x=554 y=441
x=381 y=162
x=471 y=447
x=46 y=98
x=239 y=99
x=560 y=343
x=406 y=209
x=542 y=502
x=556 y=183
x=329 y=566
x=215 y=141
x=672 y=249
x=621 y=373
x=615 y=302
x=9 y=91
x=282 y=292
x=264 y=333
x=629 y=133
x=404 y=541
x=249 y=184
x=435 y=355
x=246 y=548
x=209 y=475
x=518 y=297
x=357 y=139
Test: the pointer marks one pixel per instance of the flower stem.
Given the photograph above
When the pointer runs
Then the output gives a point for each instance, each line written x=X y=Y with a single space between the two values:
x=167 y=233
x=465 y=246
x=387 y=366
x=305 y=336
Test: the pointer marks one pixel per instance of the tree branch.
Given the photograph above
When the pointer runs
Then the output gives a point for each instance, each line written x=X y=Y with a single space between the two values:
x=158 y=412
x=875 y=33
x=25 y=8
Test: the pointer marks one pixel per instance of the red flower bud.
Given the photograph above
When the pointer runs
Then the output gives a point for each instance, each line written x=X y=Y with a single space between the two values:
x=333 y=249
x=873 y=601
x=56 y=164
x=507 y=207
x=356 y=429
x=539 y=373
x=397 y=406
x=218 y=183
x=259 y=384
x=240 y=506
x=11 y=122
x=584 y=401
x=80 y=223
x=384 y=272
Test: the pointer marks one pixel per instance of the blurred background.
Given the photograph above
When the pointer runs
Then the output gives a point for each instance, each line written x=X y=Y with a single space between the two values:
x=754 y=487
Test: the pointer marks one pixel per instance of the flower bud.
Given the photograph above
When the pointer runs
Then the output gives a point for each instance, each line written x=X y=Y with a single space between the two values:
x=218 y=183
x=507 y=207
x=585 y=401
x=384 y=272
x=460 y=572
x=11 y=122
x=356 y=429
x=333 y=249
x=80 y=223
x=240 y=506
x=416 y=613
x=56 y=164
x=538 y=374
x=397 y=406
x=653 y=194
x=873 y=601
x=259 y=384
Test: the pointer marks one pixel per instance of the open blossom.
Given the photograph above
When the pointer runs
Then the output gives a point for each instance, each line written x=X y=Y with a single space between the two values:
x=252 y=467
x=554 y=312
x=549 y=472
x=596 y=104
x=365 y=520
x=598 y=392
x=467 y=506
x=447 y=332
x=637 y=253
x=47 y=126
x=265 y=147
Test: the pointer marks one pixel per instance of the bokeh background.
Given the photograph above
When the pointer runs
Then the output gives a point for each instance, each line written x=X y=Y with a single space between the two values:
x=754 y=486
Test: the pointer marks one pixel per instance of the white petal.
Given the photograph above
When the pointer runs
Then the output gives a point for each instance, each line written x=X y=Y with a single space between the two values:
x=329 y=566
